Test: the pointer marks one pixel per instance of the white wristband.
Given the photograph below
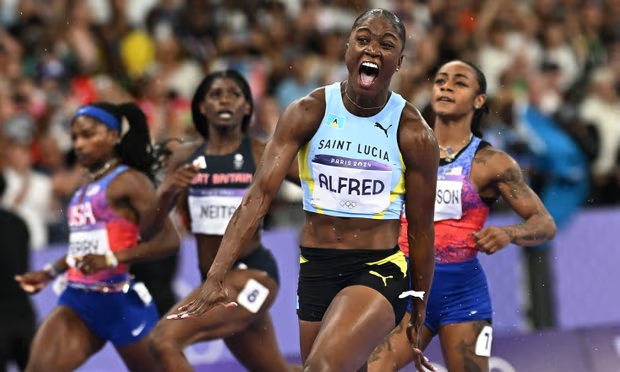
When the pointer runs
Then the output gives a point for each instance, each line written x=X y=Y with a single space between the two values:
x=418 y=294
x=111 y=259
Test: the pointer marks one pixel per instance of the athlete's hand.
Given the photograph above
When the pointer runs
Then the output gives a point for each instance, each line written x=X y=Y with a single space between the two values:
x=491 y=239
x=181 y=178
x=212 y=294
x=33 y=281
x=92 y=263
x=419 y=360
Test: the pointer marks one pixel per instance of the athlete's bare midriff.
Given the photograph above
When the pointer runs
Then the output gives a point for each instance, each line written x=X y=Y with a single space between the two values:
x=322 y=231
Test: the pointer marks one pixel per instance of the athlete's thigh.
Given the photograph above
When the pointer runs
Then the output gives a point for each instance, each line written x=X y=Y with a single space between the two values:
x=251 y=289
x=395 y=352
x=256 y=346
x=307 y=334
x=63 y=342
x=466 y=346
x=358 y=317
x=137 y=356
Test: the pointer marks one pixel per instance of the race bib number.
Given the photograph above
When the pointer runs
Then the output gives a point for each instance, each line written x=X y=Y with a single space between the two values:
x=448 y=203
x=143 y=293
x=484 y=342
x=253 y=296
x=350 y=185
x=86 y=242
x=212 y=210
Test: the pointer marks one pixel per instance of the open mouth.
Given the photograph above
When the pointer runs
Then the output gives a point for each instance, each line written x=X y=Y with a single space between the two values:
x=444 y=99
x=368 y=73
x=225 y=114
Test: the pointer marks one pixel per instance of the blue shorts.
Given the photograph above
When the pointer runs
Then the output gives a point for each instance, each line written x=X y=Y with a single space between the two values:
x=121 y=318
x=459 y=294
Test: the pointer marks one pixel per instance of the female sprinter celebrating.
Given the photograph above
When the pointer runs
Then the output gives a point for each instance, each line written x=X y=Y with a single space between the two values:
x=362 y=152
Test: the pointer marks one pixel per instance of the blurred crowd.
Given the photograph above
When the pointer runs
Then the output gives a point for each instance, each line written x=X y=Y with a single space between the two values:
x=553 y=70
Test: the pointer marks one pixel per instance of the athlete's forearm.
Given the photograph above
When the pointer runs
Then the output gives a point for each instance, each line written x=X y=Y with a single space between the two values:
x=240 y=230
x=166 y=243
x=536 y=230
x=155 y=219
x=422 y=266
x=53 y=269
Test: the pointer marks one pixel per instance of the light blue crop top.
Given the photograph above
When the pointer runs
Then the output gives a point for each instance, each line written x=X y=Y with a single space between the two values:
x=352 y=166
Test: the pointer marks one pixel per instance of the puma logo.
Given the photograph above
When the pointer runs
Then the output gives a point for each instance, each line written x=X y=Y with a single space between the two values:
x=384 y=278
x=378 y=125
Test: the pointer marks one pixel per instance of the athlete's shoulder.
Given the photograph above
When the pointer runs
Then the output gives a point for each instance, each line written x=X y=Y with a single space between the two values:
x=133 y=176
x=413 y=127
x=496 y=161
x=491 y=156
x=301 y=119
x=411 y=116
x=128 y=184
x=313 y=101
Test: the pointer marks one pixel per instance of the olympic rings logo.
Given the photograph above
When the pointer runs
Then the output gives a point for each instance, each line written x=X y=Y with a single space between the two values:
x=349 y=204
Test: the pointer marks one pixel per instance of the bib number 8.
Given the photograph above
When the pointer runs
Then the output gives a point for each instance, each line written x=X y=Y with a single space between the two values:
x=253 y=296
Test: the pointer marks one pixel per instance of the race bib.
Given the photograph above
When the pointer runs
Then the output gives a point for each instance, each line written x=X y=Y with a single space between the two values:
x=253 y=296
x=351 y=186
x=85 y=242
x=448 y=203
x=211 y=210
x=484 y=342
